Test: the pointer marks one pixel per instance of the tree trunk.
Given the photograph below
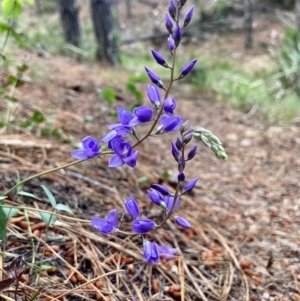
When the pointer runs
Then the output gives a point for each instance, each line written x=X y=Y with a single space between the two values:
x=248 y=19
x=297 y=13
x=69 y=18
x=105 y=31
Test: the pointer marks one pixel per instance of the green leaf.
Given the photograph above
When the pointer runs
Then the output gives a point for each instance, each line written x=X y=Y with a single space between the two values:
x=22 y=68
x=12 y=8
x=10 y=212
x=27 y=123
x=48 y=218
x=30 y=195
x=13 y=80
x=108 y=95
x=2 y=222
x=45 y=132
x=4 y=27
x=50 y=196
x=38 y=117
x=62 y=207
x=31 y=2
x=56 y=133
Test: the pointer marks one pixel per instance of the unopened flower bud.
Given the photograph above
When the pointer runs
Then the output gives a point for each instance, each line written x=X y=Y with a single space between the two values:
x=182 y=222
x=159 y=59
x=169 y=23
x=175 y=151
x=172 y=9
x=177 y=38
x=179 y=143
x=156 y=80
x=187 y=138
x=188 y=187
x=171 y=44
x=187 y=68
x=192 y=152
x=184 y=127
x=160 y=188
x=169 y=105
x=188 y=17
x=181 y=177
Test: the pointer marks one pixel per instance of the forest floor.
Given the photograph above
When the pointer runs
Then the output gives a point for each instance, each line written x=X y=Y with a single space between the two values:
x=245 y=240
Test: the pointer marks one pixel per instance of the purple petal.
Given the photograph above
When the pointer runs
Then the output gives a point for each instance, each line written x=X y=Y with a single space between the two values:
x=190 y=185
x=90 y=144
x=159 y=58
x=124 y=116
x=155 y=196
x=171 y=44
x=160 y=188
x=151 y=253
x=188 y=17
x=112 y=218
x=182 y=222
x=132 y=207
x=79 y=154
x=143 y=113
x=169 y=105
x=115 y=161
x=154 y=95
x=169 y=23
x=156 y=80
x=167 y=252
x=143 y=225
x=187 y=69
x=109 y=136
x=169 y=200
x=132 y=159
x=177 y=35
x=102 y=225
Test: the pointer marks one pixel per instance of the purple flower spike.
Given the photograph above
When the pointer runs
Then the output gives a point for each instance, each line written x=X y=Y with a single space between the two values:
x=169 y=200
x=182 y=222
x=188 y=17
x=181 y=177
x=143 y=114
x=143 y=225
x=169 y=123
x=155 y=196
x=171 y=44
x=162 y=189
x=169 y=105
x=189 y=186
x=177 y=35
x=167 y=252
x=154 y=95
x=159 y=59
x=192 y=152
x=107 y=226
x=172 y=9
x=169 y=23
x=132 y=207
x=123 y=153
x=90 y=149
x=175 y=151
x=187 y=69
x=151 y=253
x=156 y=80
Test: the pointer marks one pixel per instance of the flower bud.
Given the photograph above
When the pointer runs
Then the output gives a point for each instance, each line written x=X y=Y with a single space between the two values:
x=184 y=127
x=188 y=17
x=175 y=151
x=169 y=200
x=187 y=68
x=169 y=23
x=177 y=38
x=169 y=105
x=156 y=80
x=181 y=164
x=182 y=222
x=143 y=225
x=171 y=44
x=192 y=153
x=155 y=196
x=172 y=9
x=154 y=96
x=187 y=138
x=189 y=186
x=178 y=143
x=162 y=189
x=159 y=59
x=181 y=177
x=151 y=253
x=132 y=207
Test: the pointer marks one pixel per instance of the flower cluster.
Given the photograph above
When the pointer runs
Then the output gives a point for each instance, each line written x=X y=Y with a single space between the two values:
x=162 y=118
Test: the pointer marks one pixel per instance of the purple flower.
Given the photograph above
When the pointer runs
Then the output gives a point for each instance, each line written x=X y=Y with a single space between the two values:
x=169 y=23
x=169 y=105
x=189 y=186
x=155 y=196
x=159 y=59
x=151 y=253
x=171 y=44
x=192 y=152
x=181 y=177
x=143 y=225
x=172 y=9
x=90 y=149
x=132 y=207
x=167 y=252
x=169 y=200
x=123 y=153
x=143 y=114
x=108 y=225
x=181 y=221
x=175 y=151
x=188 y=17
x=162 y=189
x=156 y=80
x=177 y=35
x=154 y=95
x=187 y=69
x=169 y=123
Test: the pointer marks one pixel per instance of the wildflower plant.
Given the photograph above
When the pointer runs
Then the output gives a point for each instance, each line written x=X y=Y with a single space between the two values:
x=160 y=115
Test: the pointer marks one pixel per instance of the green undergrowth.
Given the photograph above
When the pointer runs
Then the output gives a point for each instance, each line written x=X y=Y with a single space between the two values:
x=260 y=91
